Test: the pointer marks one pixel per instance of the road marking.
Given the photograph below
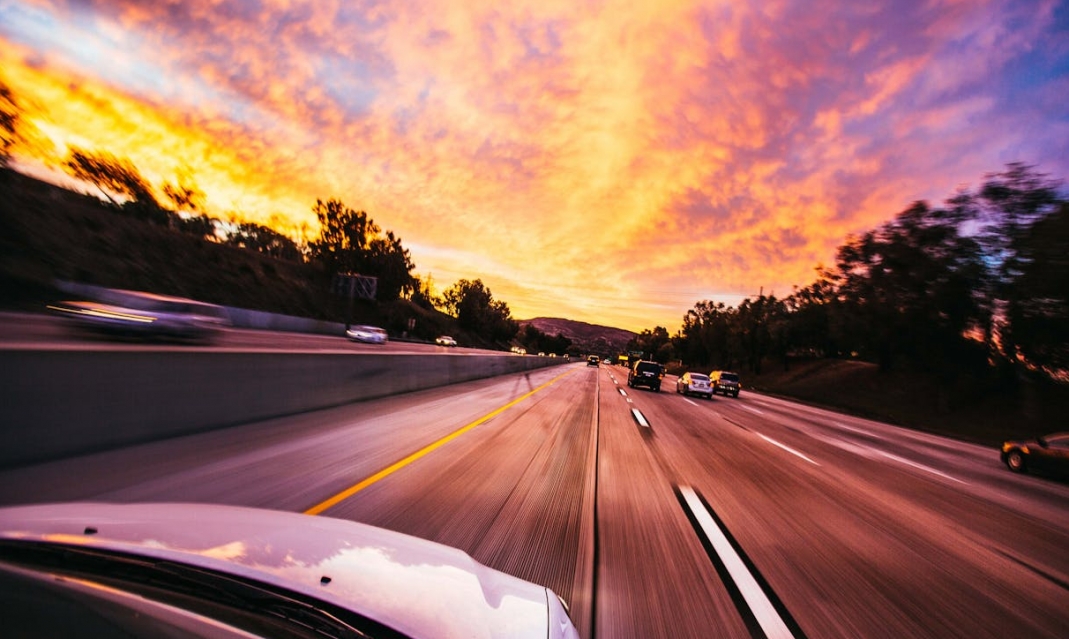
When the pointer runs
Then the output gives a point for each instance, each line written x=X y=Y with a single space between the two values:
x=856 y=430
x=769 y=619
x=752 y=410
x=787 y=448
x=914 y=464
x=689 y=402
x=622 y=392
x=426 y=450
x=639 y=417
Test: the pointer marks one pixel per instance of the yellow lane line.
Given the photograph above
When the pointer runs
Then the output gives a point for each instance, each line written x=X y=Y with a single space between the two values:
x=386 y=472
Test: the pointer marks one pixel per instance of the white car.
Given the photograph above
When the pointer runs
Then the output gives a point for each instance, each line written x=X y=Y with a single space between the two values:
x=445 y=340
x=197 y=570
x=694 y=384
x=367 y=334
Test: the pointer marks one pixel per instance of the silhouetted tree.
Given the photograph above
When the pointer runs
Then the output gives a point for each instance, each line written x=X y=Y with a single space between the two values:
x=1008 y=204
x=1040 y=315
x=111 y=175
x=350 y=242
x=391 y=262
x=259 y=238
x=423 y=293
x=908 y=288
x=476 y=310
x=344 y=236
x=185 y=197
x=10 y=113
x=535 y=341
x=656 y=344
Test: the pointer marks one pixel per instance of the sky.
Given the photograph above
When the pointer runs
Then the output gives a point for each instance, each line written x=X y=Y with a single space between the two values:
x=609 y=162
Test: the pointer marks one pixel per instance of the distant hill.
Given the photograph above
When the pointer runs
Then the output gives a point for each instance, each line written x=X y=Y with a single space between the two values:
x=589 y=338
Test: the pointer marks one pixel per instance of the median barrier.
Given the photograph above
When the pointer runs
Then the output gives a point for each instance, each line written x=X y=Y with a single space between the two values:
x=61 y=403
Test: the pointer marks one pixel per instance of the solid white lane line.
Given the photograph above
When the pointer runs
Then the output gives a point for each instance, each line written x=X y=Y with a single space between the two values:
x=763 y=610
x=787 y=448
x=927 y=469
x=689 y=401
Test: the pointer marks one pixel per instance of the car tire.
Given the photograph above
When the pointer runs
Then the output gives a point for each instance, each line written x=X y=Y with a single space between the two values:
x=1015 y=461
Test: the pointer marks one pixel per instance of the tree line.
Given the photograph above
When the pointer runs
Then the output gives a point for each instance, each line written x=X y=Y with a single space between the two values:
x=349 y=240
x=976 y=285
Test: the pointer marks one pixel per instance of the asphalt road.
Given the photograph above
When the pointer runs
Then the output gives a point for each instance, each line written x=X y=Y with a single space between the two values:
x=748 y=517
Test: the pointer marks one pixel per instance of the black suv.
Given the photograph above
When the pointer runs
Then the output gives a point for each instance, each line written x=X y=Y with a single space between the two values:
x=647 y=374
x=725 y=382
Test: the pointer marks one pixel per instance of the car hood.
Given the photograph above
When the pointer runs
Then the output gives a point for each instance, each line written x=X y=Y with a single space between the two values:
x=418 y=587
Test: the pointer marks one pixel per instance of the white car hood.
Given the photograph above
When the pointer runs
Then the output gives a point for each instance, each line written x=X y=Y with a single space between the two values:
x=418 y=587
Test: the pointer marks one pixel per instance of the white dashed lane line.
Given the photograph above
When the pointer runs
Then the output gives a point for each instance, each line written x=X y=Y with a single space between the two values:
x=787 y=448
x=770 y=620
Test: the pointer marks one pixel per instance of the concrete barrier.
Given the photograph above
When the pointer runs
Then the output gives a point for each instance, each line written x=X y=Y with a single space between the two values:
x=61 y=403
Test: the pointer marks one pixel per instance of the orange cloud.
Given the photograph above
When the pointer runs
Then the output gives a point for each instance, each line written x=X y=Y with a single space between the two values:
x=614 y=164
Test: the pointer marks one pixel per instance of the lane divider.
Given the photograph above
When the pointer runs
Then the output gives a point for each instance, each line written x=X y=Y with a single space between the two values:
x=786 y=448
x=640 y=418
x=754 y=598
x=389 y=470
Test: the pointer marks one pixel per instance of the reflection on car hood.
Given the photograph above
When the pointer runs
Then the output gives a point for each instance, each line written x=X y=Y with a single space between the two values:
x=415 y=586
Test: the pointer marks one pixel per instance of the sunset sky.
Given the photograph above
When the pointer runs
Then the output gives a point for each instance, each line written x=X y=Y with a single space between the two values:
x=611 y=162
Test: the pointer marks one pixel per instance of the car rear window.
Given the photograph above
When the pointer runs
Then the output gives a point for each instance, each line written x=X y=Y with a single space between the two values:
x=729 y=377
x=699 y=377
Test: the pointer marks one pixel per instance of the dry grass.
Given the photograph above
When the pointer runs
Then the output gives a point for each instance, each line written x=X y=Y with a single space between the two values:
x=986 y=415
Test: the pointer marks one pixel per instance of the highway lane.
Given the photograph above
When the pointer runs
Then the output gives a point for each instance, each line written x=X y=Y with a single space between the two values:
x=848 y=528
x=872 y=540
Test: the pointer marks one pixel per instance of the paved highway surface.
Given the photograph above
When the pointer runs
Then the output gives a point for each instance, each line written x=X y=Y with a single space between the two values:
x=654 y=515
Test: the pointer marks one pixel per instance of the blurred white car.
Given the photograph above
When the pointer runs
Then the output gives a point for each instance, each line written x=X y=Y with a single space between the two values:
x=145 y=315
x=367 y=334
x=694 y=384
x=445 y=340
x=197 y=570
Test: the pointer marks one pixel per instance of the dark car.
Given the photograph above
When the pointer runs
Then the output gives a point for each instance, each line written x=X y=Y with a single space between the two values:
x=593 y=360
x=725 y=383
x=645 y=373
x=1050 y=452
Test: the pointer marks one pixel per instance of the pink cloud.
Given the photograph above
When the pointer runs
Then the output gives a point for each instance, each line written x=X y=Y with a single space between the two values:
x=737 y=143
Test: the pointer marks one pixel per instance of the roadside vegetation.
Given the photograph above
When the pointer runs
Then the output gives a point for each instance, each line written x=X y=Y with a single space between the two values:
x=952 y=318
x=129 y=234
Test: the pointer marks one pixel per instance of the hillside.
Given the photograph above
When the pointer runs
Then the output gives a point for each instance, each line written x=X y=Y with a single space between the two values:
x=983 y=416
x=48 y=233
x=588 y=338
